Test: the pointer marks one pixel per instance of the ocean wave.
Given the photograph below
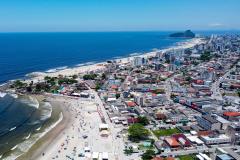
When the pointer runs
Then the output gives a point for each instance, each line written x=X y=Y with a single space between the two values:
x=38 y=129
x=46 y=112
x=34 y=123
x=14 y=96
x=33 y=102
x=80 y=65
x=3 y=84
x=62 y=68
x=2 y=94
x=51 y=71
x=135 y=54
x=27 y=144
x=13 y=128
x=13 y=148
x=27 y=136
x=85 y=64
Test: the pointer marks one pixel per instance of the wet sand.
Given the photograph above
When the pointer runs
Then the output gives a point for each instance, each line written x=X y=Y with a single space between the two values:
x=38 y=148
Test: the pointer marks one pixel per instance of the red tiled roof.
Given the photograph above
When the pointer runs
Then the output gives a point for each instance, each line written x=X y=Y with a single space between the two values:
x=172 y=142
x=184 y=139
x=114 y=87
x=158 y=158
x=132 y=120
x=231 y=114
x=204 y=133
x=131 y=104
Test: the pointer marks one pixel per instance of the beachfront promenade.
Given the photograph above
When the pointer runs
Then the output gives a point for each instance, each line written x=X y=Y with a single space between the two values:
x=83 y=132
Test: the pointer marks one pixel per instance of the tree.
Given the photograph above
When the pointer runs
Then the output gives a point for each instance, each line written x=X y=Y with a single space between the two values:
x=188 y=78
x=67 y=81
x=19 y=84
x=42 y=87
x=206 y=56
x=89 y=76
x=143 y=120
x=238 y=92
x=98 y=86
x=103 y=76
x=74 y=76
x=118 y=95
x=137 y=132
x=128 y=151
x=148 y=155
x=46 y=78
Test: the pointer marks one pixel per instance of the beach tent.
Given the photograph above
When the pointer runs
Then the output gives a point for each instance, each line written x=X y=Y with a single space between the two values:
x=86 y=149
x=104 y=156
x=95 y=155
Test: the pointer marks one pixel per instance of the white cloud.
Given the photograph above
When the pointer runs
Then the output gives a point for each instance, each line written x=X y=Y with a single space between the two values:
x=216 y=25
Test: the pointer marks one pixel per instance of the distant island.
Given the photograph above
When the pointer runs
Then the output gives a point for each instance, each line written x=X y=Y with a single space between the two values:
x=186 y=34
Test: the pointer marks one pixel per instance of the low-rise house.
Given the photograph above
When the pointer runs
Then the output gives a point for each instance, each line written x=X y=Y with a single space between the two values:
x=208 y=122
x=234 y=132
x=219 y=139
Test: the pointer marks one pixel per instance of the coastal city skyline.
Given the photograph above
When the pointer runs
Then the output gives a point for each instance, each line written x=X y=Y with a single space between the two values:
x=125 y=15
x=119 y=80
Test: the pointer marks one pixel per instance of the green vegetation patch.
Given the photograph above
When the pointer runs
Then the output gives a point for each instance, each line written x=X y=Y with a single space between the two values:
x=90 y=76
x=137 y=132
x=206 y=56
x=187 y=157
x=166 y=132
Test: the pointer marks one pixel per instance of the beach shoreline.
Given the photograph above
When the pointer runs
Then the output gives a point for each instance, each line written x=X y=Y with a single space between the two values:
x=48 y=136
x=99 y=66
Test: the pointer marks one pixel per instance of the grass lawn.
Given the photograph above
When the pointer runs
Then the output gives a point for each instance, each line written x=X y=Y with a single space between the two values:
x=187 y=157
x=143 y=148
x=165 y=132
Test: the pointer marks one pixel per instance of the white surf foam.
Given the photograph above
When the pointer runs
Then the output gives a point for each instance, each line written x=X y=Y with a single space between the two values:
x=85 y=64
x=14 y=148
x=62 y=68
x=27 y=144
x=32 y=101
x=46 y=112
x=2 y=95
x=13 y=128
x=28 y=136
x=14 y=96
x=38 y=129
x=51 y=70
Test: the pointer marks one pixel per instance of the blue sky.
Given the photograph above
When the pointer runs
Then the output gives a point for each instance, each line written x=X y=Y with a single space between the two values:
x=118 y=15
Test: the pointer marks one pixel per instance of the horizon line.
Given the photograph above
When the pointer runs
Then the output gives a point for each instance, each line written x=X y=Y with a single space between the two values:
x=105 y=31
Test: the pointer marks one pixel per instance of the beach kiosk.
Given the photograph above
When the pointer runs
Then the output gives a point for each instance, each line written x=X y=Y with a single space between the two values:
x=103 y=126
x=104 y=130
